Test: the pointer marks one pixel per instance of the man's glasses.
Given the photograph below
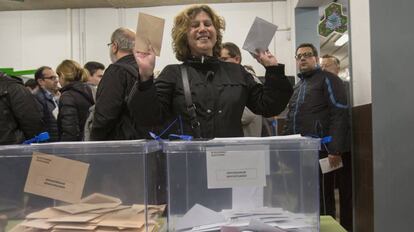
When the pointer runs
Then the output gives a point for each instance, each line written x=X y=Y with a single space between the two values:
x=53 y=78
x=304 y=55
x=109 y=44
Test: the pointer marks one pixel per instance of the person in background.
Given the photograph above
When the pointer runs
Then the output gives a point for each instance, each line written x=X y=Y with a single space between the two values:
x=74 y=102
x=20 y=117
x=20 y=120
x=343 y=176
x=47 y=80
x=220 y=90
x=251 y=123
x=96 y=71
x=330 y=64
x=112 y=120
x=31 y=85
x=318 y=108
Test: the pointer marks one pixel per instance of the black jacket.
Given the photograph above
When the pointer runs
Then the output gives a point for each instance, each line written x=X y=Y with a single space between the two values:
x=47 y=106
x=20 y=115
x=74 y=106
x=112 y=120
x=318 y=108
x=219 y=90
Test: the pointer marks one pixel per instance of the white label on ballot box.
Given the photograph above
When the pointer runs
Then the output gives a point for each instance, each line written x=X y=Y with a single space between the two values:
x=237 y=167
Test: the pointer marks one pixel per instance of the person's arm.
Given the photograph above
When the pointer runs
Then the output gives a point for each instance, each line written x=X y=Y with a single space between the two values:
x=68 y=120
x=334 y=90
x=151 y=102
x=109 y=102
x=271 y=98
x=146 y=64
x=26 y=111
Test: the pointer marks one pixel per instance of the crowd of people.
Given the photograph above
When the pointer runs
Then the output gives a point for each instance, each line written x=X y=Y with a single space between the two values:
x=210 y=94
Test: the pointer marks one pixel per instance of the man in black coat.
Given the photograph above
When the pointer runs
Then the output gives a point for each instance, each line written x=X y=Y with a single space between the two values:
x=318 y=108
x=112 y=119
x=20 y=119
x=343 y=176
x=20 y=116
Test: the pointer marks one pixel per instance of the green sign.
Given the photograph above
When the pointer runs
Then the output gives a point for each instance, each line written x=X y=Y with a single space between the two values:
x=12 y=72
x=333 y=21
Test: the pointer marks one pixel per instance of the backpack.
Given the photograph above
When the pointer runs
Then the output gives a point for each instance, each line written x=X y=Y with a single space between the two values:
x=89 y=120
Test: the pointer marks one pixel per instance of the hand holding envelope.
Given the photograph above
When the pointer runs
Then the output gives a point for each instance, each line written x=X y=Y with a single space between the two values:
x=146 y=64
x=148 y=43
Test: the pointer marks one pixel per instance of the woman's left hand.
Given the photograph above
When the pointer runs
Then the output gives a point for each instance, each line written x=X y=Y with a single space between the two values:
x=266 y=58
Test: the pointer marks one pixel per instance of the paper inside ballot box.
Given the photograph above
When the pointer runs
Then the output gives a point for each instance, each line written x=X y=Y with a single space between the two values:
x=56 y=177
x=96 y=212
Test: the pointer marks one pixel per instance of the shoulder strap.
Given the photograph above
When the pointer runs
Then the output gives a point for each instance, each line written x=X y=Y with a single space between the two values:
x=195 y=125
x=133 y=71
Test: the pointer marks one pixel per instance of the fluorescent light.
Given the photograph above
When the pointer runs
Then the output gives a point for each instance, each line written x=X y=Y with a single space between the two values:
x=342 y=40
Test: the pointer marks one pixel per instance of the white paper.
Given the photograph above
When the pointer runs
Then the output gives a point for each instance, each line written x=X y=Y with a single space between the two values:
x=326 y=167
x=260 y=34
x=199 y=215
x=257 y=225
x=236 y=167
x=247 y=197
x=55 y=112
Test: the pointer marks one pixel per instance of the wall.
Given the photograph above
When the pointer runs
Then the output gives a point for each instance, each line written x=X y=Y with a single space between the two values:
x=362 y=153
x=360 y=51
x=306 y=24
x=36 y=38
x=392 y=114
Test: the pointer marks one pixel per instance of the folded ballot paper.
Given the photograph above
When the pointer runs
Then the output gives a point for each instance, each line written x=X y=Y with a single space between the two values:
x=150 y=30
x=202 y=219
x=259 y=36
x=96 y=212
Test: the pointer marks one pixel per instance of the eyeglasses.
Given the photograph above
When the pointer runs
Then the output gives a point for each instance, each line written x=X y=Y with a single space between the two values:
x=109 y=44
x=53 y=78
x=304 y=55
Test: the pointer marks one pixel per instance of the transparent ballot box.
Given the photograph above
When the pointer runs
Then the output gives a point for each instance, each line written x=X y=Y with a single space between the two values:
x=243 y=184
x=82 y=186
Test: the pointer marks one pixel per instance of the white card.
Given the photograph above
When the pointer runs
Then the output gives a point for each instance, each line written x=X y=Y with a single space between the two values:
x=326 y=167
x=236 y=167
x=260 y=35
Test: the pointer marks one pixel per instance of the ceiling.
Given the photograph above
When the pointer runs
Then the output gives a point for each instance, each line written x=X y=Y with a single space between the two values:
x=328 y=47
x=8 y=5
x=327 y=44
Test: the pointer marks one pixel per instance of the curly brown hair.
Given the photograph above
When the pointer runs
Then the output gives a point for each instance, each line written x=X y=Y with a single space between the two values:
x=182 y=23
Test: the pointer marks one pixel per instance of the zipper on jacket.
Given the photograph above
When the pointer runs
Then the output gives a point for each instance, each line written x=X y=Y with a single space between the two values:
x=300 y=98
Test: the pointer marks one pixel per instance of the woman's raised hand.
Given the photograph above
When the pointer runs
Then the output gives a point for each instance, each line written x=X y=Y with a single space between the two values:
x=266 y=58
x=146 y=63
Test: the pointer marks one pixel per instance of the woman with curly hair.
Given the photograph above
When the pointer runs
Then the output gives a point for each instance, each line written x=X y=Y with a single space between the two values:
x=74 y=102
x=219 y=90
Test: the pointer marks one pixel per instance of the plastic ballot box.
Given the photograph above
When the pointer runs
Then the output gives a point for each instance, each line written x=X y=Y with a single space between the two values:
x=81 y=186
x=236 y=184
